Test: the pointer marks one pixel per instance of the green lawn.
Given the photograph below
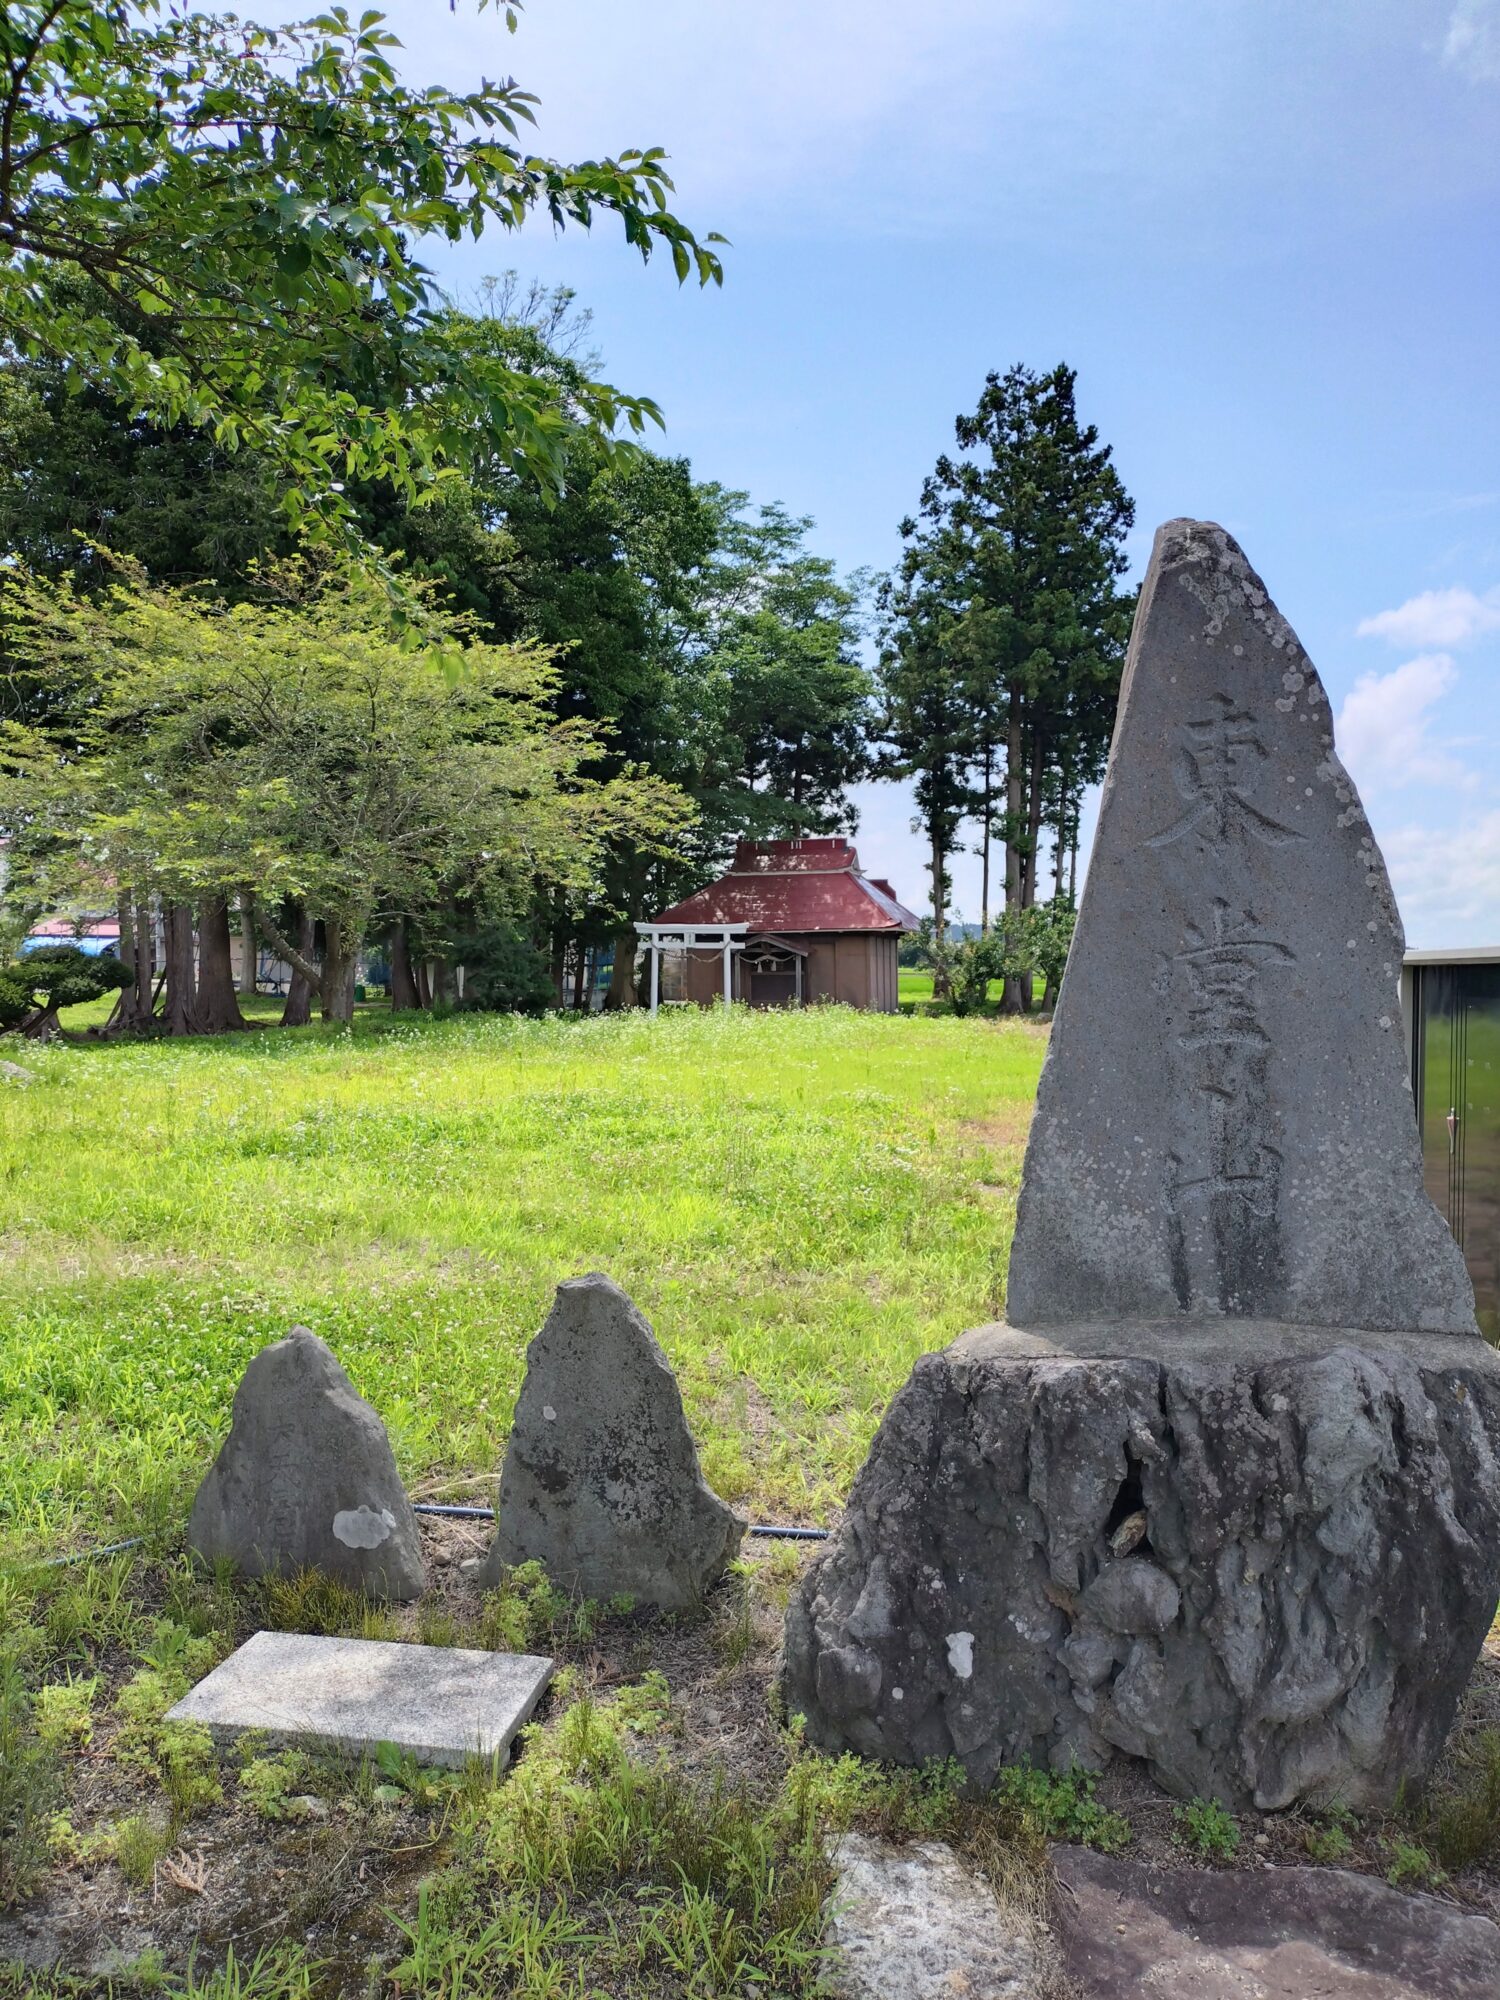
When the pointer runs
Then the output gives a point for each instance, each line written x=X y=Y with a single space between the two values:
x=801 y=1203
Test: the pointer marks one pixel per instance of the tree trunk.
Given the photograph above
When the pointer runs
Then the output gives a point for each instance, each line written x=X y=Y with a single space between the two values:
x=987 y=822
x=622 y=991
x=405 y=998
x=581 y=978
x=1013 y=801
x=126 y=994
x=248 y=951
x=340 y=958
x=182 y=1016
x=132 y=1010
x=437 y=974
x=1032 y=856
x=218 y=1003
x=298 y=1009
x=1060 y=835
x=424 y=984
x=145 y=963
x=942 y=985
x=1073 y=869
x=1030 y=860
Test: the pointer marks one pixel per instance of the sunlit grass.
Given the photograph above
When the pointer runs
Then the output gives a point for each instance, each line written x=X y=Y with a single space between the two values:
x=800 y=1203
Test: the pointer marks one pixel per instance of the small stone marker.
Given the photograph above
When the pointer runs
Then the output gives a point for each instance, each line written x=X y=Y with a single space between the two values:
x=306 y=1479
x=1128 y=1928
x=601 y=1482
x=913 y=1923
x=442 y=1703
x=1223 y=1494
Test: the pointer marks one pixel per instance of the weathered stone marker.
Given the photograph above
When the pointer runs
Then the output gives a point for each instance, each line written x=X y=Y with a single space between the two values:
x=306 y=1479
x=601 y=1482
x=1224 y=1495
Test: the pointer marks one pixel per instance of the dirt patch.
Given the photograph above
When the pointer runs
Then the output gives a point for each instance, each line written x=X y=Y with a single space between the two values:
x=1003 y=1131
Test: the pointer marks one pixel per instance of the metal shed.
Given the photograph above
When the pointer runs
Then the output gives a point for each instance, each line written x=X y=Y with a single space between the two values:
x=1450 y=1002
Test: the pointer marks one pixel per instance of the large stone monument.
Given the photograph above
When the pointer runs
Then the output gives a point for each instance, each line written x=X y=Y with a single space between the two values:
x=1223 y=1496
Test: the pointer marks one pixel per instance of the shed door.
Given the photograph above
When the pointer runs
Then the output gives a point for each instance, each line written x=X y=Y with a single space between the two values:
x=773 y=989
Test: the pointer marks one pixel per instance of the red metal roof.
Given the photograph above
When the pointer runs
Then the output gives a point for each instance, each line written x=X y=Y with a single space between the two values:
x=795 y=886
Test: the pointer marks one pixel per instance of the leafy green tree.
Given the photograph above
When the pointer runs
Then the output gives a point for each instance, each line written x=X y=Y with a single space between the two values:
x=240 y=203
x=16 y=998
x=79 y=468
x=703 y=640
x=295 y=748
x=1056 y=922
x=784 y=645
x=754 y=700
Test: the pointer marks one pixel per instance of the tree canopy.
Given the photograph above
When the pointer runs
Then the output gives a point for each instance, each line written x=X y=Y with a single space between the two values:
x=191 y=751
x=237 y=206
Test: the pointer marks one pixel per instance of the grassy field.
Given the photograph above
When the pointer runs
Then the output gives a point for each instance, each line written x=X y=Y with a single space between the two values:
x=800 y=1203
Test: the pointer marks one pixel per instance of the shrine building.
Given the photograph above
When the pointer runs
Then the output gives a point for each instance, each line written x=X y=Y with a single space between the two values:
x=792 y=923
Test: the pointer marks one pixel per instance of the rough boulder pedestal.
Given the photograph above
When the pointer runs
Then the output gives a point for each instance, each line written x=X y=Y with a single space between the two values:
x=306 y=1479
x=1224 y=1496
x=601 y=1482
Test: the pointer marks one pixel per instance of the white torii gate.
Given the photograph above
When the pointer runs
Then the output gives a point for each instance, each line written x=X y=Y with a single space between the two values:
x=658 y=938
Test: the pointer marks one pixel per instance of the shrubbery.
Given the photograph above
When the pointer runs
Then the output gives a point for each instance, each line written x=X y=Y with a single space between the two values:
x=57 y=975
x=504 y=973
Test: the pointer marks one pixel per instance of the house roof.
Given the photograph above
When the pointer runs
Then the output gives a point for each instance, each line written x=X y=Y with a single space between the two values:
x=795 y=886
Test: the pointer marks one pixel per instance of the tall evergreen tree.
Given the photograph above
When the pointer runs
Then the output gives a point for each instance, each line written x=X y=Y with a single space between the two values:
x=928 y=726
x=1007 y=613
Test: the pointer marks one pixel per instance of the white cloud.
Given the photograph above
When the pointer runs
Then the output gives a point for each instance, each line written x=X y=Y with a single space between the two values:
x=1447 y=882
x=1473 y=40
x=1383 y=729
x=784 y=101
x=1436 y=618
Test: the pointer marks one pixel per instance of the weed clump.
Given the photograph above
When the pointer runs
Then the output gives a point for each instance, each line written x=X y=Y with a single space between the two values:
x=137 y=1845
x=30 y=1788
x=600 y=1863
x=1331 y=1841
x=1461 y=1823
x=1060 y=1805
x=65 y=1712
x=1207 y=1830
x=526 y=1612
x=309 y=1601
x=1411 y=1866
x=275 y=1786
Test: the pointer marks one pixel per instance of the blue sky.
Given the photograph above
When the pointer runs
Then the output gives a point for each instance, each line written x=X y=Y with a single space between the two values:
x=1265 y=232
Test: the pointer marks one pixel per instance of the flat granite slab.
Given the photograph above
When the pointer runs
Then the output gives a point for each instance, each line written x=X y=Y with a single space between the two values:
x=442 y=1703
